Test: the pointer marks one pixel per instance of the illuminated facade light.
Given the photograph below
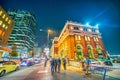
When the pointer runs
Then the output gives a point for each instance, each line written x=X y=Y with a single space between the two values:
x=88 y=38
x=6 y=27
x=85 y=38
x=3 y=16
x=81 y=29
x=6 y=19
x=79 y=38
x=9 y=21
x=71 y=27
x=3 y=26
x=97 y=31
x=89 y=30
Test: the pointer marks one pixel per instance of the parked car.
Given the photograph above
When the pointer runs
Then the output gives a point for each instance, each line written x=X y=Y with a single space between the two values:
x=7 y=66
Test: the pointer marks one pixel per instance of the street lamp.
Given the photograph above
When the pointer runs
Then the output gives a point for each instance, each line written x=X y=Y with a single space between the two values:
x=49 y=31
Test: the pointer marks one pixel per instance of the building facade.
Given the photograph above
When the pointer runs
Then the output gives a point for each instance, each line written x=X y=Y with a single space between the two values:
x=23 y=34
x=78 y=41
x=6 y=27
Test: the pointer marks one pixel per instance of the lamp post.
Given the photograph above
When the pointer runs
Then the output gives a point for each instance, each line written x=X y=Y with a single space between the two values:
x=48 y=35
x=48 y=32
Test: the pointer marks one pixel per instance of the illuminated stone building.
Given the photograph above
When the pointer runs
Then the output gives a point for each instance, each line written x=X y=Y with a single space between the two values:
x=23 y=34
x=77 y=41
x=6 y=27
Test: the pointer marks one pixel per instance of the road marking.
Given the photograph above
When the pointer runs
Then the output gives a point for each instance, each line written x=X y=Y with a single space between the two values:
x=45 y=71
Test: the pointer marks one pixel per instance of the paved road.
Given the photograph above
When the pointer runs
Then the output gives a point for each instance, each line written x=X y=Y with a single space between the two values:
x=39 y=72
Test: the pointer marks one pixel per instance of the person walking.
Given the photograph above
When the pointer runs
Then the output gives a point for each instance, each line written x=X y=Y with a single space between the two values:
x=46 y=59
x=52 y=62
x=59 y=64
x=55 y=65
x=87 y=65
x=64 y=63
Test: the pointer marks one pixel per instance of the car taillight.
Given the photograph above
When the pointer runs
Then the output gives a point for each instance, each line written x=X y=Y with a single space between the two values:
x=1 y=65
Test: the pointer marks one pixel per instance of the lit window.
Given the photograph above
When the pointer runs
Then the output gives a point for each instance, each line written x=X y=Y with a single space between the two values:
x=96 y=39
x=81 y=29
x=3 y=16
x=89 y=30
x=79 y=38
x=71 y=27
x=0 y=22
x=97 y=31
x=3 y=25
x=6 y=19
x=9 y=21
x=75 y=37
x=88 y=38
x=0 y=12
x=85 y=38
x=6 y=27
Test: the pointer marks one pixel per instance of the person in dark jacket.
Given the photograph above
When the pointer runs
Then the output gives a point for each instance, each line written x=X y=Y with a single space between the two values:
x=59 y=64
x=52 y=62
x=64 y=63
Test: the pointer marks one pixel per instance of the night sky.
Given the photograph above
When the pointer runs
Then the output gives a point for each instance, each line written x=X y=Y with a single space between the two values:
x=53 y=14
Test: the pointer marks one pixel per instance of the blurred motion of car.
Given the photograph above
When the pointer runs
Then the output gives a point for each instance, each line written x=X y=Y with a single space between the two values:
x=37 y=60
x=7 y=66
x=107 y=63
x=26 y=63
x=94 y=62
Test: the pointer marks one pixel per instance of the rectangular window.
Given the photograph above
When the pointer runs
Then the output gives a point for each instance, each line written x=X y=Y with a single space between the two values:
x=85 y=38
x=3 y=25
x=0 y=22
x=1 y=12
x=94 y=39
x=6 y=19
x=76 y=28
x=88 y=38
x=75 y=37
x=9 y=21
x=79 y=38
x=3 y=16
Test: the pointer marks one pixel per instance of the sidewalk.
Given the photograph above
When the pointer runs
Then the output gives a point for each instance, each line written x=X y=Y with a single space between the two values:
x=82 y=74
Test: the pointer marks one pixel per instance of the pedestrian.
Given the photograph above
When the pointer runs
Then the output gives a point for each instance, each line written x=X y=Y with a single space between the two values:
x=59 y=64
x=52 y=62
x=55 y=65
x=87 y=65
x=64 y=63
x=46 y=59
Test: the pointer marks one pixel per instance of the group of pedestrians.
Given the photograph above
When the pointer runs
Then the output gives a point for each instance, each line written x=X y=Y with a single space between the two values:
x=56 y=64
